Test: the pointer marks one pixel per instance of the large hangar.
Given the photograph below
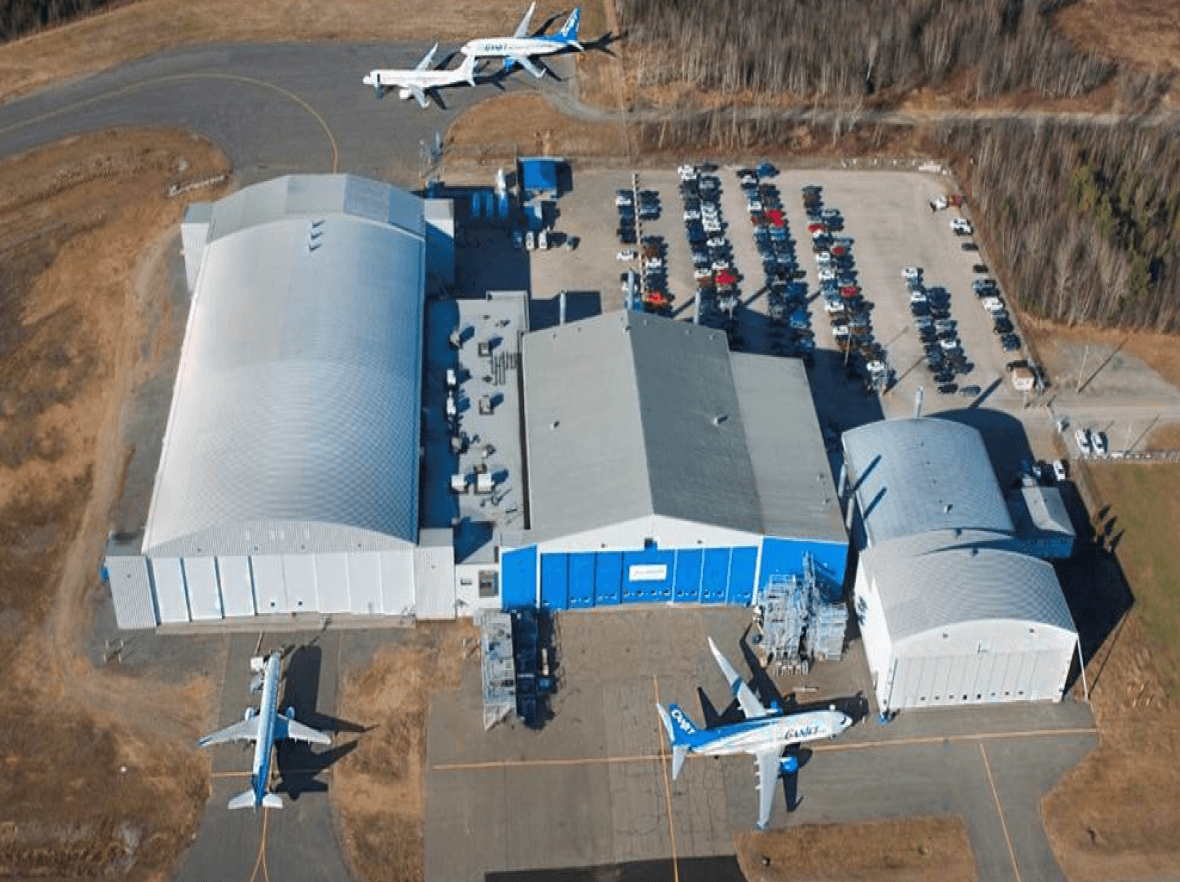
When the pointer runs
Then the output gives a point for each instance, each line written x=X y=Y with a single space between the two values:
x=288 y=479
x=952 y=610
x=663 y=468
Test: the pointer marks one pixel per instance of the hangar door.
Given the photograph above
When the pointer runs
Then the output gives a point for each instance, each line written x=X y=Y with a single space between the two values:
x=584 y=579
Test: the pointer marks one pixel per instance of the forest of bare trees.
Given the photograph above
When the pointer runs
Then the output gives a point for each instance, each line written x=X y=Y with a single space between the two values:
x=858 y=48
x=1084 y=219
x=20 y=17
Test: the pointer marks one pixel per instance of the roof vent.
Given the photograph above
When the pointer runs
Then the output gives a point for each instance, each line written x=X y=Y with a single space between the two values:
x=946 y=509
x=720 y=418
x=315 y=235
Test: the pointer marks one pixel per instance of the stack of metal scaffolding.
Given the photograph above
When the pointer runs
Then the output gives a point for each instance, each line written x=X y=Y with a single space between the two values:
x=828 y=615
x=781 y=618
x=498 y=666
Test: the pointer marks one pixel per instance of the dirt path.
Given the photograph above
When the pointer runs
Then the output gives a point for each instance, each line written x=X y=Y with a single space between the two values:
x=100 y=775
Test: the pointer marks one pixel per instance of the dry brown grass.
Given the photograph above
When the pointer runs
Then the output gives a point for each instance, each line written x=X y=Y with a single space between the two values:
x=377 y=789
x=1161 y=352
x=1116 y=814
x=495 y=131
x=1145 y=32
x=908 y=850
x=100 y=776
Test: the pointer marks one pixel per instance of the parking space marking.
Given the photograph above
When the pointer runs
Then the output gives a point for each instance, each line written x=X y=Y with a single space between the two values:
x=987 y=767
x=833 y=747
x=655 y=685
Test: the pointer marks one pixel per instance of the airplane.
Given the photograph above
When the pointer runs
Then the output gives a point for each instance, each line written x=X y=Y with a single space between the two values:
x=264 y=728
x=421 y=82
x=764 y=733
x=518 y=48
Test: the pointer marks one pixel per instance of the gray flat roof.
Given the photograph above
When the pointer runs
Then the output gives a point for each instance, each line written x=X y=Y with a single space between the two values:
x=629 y=415
x=297 y=396
x=786 y=446
x=915 y=475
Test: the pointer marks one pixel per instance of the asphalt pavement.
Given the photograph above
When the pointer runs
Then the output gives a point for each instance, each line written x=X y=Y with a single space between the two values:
x=275 y=109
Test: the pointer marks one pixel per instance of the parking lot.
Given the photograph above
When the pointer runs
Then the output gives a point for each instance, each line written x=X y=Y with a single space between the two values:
x=594 y=788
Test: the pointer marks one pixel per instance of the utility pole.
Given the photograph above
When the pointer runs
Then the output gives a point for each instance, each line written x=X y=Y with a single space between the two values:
x=1082 y=370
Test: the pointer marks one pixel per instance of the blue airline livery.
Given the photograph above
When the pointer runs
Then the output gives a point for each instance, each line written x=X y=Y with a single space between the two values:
x=764 y=733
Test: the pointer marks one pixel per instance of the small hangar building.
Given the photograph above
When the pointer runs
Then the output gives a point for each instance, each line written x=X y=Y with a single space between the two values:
x=952 y=608
x=339 y=443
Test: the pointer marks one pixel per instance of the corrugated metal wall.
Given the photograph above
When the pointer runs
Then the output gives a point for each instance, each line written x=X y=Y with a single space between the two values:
x=131 y=592
x=784 y=557
x=518 y=577
x=580 y=580
x=979 y=678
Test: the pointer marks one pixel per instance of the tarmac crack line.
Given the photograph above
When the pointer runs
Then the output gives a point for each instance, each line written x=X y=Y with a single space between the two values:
x=987 y=767
x=655 y=685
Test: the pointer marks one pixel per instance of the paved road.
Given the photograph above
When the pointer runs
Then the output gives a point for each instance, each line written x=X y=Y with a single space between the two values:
x=274 y=109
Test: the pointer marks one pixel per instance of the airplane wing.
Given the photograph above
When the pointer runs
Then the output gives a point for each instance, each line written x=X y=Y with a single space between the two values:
x=523 y=28
x=425 y=63
x=247 y=730
x=296 y=731
x=528 y=65
x=768 y=769
x=749 y=702
x=419 y=96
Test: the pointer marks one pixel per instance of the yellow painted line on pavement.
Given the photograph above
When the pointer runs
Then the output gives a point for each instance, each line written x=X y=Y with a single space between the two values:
x=655 y=685
x=835 y=746
x=987 y=767
x=260 y=861
x=134 y=87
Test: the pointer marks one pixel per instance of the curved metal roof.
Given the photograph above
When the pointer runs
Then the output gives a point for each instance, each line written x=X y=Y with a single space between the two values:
x=912 y=476
x=298 y=390
x=963 y=584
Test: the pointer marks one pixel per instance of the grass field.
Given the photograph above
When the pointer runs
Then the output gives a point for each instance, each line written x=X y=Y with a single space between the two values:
x=1144 y=511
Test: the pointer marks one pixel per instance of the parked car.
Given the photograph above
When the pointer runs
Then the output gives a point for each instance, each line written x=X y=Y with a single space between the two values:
x=1098 y=440
x=948 y=388
x=627 y=254
x=961 y=226
x=1059 y=472
x=1010 y=342
x=969 y=391
x=911 y=272
x=1082 y=437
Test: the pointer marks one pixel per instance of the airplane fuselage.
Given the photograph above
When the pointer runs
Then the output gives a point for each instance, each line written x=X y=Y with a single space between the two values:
x=506 y=47
x=266 y=728
x=404 y=79
x=751 y=736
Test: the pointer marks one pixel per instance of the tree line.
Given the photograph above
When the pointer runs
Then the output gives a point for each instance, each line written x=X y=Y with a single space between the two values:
x=861 y=48
x=1084 y=219
x=21 y=17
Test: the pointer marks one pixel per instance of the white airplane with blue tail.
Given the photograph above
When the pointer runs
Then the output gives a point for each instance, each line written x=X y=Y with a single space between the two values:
x=423 y=82
x=264 y=728
x=519 y=48
x=765 y=733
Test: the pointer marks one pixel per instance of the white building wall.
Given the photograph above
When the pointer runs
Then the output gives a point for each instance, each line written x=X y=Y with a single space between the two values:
x=874 y=633
x=237 y=585
x=434 y=577
x=171 y=597
x=668 y=533
x=331 y=573
x=204 y=594
x=397 y=582
x=299 y=574
x=364 y=583
x=467 y=580
x=270 y=588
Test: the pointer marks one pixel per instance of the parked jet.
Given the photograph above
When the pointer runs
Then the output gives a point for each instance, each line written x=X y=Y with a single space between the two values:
x=264 y=728
x=421 y=82
x=764 y=733
x=519 y=48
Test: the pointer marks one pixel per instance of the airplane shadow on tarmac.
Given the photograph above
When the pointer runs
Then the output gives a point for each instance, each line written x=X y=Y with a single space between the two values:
x=856 y=707
x=299 y=764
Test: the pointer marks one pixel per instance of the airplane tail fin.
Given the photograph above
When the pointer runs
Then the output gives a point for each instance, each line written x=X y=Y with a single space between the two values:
x=468 y=69
x=569 y=30
x=679 y=744
x=245 y=799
